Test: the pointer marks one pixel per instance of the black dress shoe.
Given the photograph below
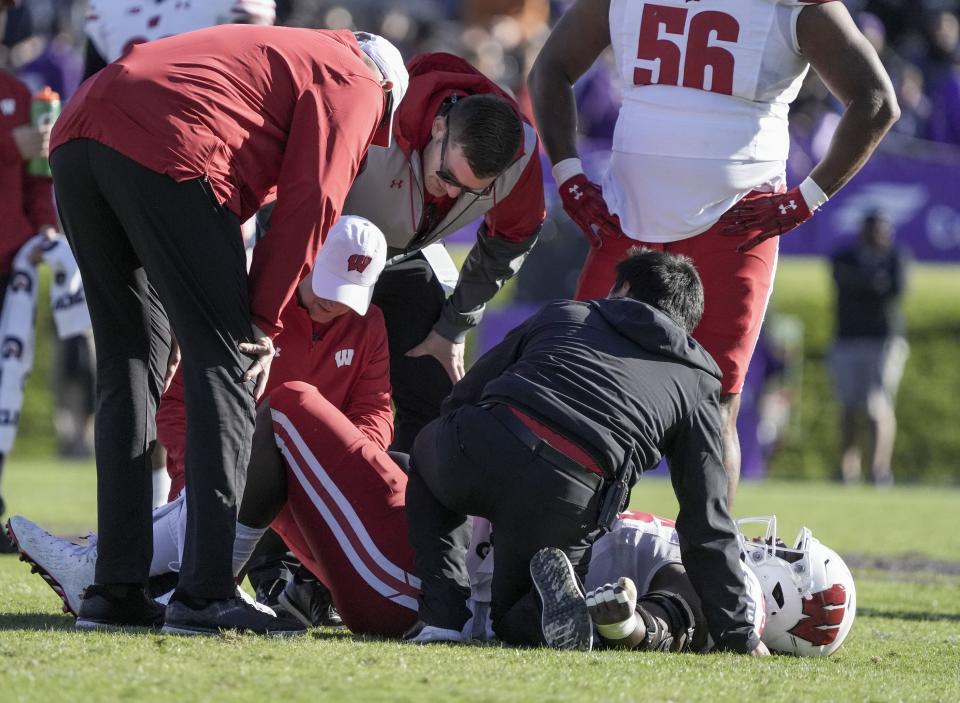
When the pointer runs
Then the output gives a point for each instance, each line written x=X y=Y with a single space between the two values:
x=214 y=617
x=114 y=606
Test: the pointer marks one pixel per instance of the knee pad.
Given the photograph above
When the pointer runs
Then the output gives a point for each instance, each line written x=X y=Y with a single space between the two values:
x=673 y=630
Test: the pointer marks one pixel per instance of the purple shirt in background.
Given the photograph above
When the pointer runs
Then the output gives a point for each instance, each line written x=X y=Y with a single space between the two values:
x=59 y=66
x=944 y=125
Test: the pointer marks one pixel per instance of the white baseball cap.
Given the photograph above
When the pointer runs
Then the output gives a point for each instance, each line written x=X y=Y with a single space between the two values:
x=390 y=63
x=349 y=263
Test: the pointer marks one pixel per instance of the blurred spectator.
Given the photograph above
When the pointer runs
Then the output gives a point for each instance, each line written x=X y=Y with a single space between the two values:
x=26 y=202
x=868 y=356
x=915 y=106
x=944 y=123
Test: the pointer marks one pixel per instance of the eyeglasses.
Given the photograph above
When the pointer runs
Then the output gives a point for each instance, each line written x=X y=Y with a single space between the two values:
x=444 y=174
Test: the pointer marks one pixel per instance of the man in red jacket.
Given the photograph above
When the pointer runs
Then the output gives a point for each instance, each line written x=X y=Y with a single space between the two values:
x=157 y=160
x=25 y=200
x=462 y=152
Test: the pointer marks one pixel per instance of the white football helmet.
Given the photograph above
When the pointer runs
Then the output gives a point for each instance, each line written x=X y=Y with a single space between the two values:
x=809 y=595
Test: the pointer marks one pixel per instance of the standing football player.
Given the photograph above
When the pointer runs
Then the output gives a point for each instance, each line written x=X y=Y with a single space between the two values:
x=701 y=142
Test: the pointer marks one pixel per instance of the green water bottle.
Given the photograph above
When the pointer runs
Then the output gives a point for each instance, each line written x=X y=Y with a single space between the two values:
x=44 y=110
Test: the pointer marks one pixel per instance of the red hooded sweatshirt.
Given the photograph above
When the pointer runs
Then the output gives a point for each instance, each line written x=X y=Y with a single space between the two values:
x=435 y=77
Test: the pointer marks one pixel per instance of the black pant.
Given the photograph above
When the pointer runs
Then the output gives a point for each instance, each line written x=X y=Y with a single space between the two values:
x=411 y=298
x=467 y=463
x=149 y=247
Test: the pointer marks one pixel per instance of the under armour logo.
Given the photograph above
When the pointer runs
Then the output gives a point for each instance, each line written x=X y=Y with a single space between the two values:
x=344 y=357
x=824 y=611
x=358 y=262
x=792 y=205
x=396 y=183
x=575 y=191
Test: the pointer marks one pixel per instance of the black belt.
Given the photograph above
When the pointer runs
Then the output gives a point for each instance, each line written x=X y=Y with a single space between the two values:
x=539 y=446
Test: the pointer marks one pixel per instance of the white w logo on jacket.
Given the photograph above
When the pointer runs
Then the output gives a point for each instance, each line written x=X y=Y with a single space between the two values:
x=344 y=357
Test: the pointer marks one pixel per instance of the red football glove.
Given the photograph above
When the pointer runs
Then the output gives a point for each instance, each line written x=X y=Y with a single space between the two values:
x=765 y=216
x=583 y=202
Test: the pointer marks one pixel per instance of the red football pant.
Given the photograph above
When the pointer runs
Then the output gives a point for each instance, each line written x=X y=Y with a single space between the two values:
x=736 y=289
x=345 y=517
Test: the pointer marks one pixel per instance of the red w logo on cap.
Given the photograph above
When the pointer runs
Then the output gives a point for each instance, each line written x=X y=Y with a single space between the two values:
x=824 y=611
x=358 y=262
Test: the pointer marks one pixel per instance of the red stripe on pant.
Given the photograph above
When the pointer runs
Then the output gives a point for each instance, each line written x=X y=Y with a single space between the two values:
x=736 y=288
x=341 y=488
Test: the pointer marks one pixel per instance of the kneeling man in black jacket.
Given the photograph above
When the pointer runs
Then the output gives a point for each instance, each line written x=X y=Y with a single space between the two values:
x=544 y=437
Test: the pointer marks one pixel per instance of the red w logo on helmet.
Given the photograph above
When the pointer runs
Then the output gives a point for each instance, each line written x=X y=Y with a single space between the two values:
x=358 y=262
x=824 y=611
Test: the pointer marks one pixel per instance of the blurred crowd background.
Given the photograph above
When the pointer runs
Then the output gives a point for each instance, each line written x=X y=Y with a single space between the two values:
x=792 y=410
x=918 y=40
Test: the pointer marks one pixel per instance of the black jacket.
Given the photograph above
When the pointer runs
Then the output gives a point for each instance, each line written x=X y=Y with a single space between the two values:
x=623 y=381
x=869 y=289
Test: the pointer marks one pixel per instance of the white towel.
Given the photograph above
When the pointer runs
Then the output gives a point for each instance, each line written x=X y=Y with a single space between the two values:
x=17 y=332
x=70 y=313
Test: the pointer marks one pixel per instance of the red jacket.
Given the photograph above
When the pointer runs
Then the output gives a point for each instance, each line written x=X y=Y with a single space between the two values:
x=26 y=202
x=433 y=78
x=249 y=108
x=347 y=360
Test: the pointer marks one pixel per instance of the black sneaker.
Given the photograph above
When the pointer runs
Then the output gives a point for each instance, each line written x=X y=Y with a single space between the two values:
x=565 y=620
x=218 y=616
x=117 y=605
x=7 y=545
x=309 y=601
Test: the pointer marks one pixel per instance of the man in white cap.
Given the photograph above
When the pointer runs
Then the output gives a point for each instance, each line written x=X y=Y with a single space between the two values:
x=331 y=375
x=157 y=160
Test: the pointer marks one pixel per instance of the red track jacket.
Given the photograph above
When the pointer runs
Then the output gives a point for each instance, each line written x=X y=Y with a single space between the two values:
x=346 y=359
x=250 y=108
x=26 y=202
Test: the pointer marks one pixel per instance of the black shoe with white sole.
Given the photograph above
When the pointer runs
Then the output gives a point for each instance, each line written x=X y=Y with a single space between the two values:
x=217 y=616
x=115 y=606
x=565 y=620
x=309 y=601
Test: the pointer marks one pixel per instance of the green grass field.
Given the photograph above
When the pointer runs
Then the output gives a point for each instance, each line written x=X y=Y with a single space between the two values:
x=905 y=644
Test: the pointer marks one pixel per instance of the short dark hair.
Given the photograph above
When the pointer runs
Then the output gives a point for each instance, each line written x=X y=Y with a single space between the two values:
x=488 y=130
x=668 y=282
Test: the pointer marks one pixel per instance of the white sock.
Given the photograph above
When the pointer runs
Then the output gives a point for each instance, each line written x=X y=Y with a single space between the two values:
x=167 y=521
x=243 y=545
x=161 y=486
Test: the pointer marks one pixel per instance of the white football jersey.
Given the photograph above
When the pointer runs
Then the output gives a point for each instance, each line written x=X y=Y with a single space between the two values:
x=707 y=87
x=639 y=545
x=706 y=78
x=115 y=25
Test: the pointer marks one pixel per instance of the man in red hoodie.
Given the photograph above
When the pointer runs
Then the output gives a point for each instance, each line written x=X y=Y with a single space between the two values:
x=157 y=160
x=462 y=151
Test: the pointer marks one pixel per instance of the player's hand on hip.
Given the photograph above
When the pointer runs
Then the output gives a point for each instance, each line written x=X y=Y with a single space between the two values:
x=449 y=354
x=173 y=363
x=262 y=348
x=583 y=202
x=765 y=216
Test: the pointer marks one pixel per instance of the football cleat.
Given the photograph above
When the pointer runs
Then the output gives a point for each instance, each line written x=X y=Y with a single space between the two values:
x=565 y=619
x=67 y=568
x=309 y=601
